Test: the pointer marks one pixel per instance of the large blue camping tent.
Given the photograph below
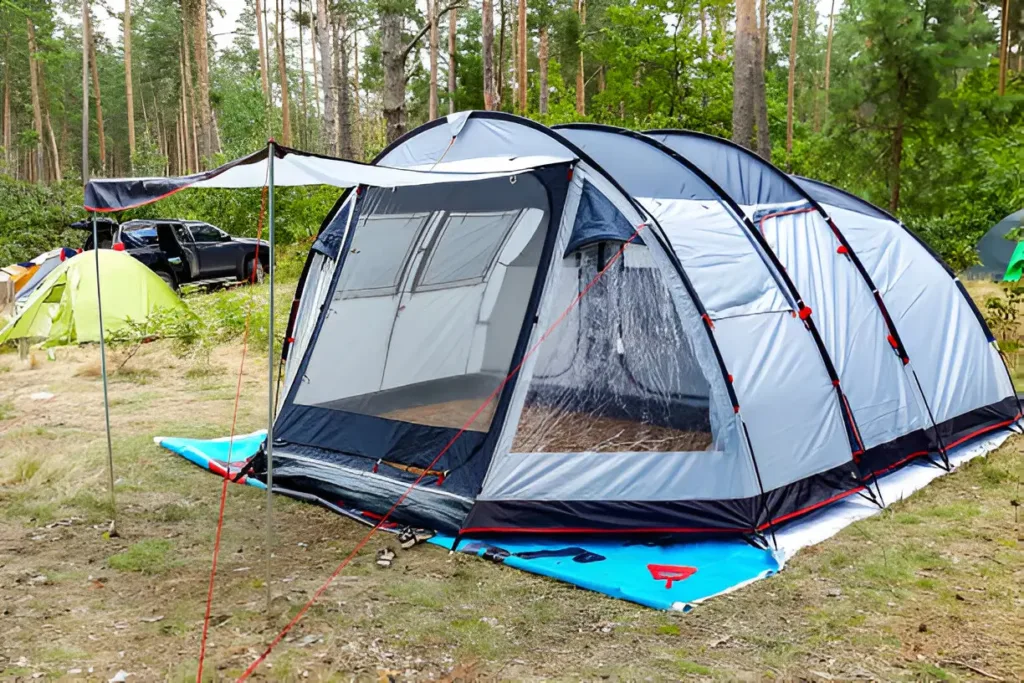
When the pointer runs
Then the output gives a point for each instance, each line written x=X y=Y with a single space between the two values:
x=628 y=333
x=736 y=367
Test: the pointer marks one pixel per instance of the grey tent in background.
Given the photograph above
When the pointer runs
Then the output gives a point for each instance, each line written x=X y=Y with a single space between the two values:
x=995 y=251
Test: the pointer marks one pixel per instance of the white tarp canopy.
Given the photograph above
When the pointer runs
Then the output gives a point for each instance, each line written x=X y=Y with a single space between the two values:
x=294 y=168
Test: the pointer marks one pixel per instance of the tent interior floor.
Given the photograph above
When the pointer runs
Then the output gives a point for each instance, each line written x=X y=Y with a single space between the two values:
x=928 y=589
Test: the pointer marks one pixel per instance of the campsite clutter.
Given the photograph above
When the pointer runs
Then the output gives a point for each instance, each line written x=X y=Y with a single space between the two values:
x=18 y=281
x=1001 y=251
x=656 y=340
x=63 y=307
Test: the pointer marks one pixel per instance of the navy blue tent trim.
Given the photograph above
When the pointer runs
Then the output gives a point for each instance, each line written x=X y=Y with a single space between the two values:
x=104 y=195
x=598 y=220
x=745 y=515
x=373 y=439
x=329 y=241
x=751 y=515
x=823 y=193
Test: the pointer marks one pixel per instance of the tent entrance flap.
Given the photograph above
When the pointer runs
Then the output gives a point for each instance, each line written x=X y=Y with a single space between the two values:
x=422 y=324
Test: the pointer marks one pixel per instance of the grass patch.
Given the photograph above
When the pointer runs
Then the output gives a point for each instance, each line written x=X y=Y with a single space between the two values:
x=203 y=369
x=6 y=410
x=151 y=556
x=688 y=668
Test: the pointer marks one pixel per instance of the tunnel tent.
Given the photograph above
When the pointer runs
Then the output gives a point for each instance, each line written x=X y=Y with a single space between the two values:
x=880 y=312
x=543 y=350
x=622 y=410
x=1000 y=257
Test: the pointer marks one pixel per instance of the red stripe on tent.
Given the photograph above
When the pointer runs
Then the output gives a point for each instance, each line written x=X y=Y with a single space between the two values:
x=899 y=462
x=810 y=508
x=983 y=430
x=589 y=530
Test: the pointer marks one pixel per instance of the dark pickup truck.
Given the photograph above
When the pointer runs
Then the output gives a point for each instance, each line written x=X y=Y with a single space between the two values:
x=181 y=251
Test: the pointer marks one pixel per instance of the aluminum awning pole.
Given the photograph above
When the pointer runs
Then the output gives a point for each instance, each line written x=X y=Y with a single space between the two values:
x=103 y=371
x=270 y=373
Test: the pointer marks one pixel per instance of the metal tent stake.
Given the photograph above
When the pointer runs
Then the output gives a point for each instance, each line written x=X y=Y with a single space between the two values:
x=103 y=371
x=270 y=371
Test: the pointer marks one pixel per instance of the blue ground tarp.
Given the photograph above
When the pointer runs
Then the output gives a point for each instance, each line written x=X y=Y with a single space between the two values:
x=651 y=572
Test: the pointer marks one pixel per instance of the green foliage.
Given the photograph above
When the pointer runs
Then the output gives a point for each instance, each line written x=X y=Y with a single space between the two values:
x=1002 y=313
x=925 y=70
x=34 y=218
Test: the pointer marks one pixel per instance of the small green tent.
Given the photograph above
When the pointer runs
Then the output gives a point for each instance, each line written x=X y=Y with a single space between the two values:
x=63 y=309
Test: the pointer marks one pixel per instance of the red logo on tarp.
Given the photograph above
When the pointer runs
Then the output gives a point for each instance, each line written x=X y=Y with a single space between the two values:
x=670 y=573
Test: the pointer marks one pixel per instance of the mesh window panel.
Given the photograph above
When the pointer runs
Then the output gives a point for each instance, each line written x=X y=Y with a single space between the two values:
x=618 y=374
x=423 y=323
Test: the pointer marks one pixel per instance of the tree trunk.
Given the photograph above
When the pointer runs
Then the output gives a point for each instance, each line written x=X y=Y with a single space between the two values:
x=433 y=40
x=305 y=99
x=312 y=54
x=895 y=163
x=328 y=141
x=187 y=160
x=581 y=93
x=1004 y=46
x=487 y=41
x=264 y=78
x=500 y=85
x=764 y=142
x=202 y=115
x=97 y=97
x=344 y=108
x=828 y=54
x=703 y=28
x=764 y=31
x=128 y=89
x=37 y=108
x=452 y=55
x=355 y=69
x=394 y=75
x=179 y=140
x=57 y=174
x=336 y=50
x=521 y=44
x=7 y=103
x=282 y=69
x=792 y=81
x=744 y=74
x=542 y=59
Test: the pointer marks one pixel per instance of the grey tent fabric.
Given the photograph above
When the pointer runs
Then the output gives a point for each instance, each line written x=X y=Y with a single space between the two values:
x=994 y=250
x=628 y=336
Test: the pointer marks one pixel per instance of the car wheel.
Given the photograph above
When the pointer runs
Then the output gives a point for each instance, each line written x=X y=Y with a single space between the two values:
x=167 y=278
x=259 y=269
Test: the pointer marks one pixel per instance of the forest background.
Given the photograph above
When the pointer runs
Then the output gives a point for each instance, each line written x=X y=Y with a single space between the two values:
x=915 y=105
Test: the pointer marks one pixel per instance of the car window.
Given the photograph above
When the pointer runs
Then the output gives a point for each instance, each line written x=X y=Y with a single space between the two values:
x=142 y=234
x=181 y=232
x=203 y=232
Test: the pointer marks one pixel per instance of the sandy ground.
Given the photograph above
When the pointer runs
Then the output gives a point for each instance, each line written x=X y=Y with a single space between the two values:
x=931 y=589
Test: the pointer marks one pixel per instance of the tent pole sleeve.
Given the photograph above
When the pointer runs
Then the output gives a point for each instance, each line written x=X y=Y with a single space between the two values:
x=270 y=373
x=103 y=371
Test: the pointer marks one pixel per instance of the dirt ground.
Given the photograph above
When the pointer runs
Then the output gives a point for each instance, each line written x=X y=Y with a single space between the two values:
x=931 y=589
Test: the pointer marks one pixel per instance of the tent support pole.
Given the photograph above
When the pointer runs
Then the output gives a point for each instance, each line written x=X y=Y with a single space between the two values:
x=270 y=373
x=103 y=371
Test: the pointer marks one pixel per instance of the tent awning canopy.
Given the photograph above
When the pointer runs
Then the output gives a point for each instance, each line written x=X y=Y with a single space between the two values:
x=293 y=168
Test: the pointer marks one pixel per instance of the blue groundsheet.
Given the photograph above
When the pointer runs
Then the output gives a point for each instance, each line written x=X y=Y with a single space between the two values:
x=652 y=572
